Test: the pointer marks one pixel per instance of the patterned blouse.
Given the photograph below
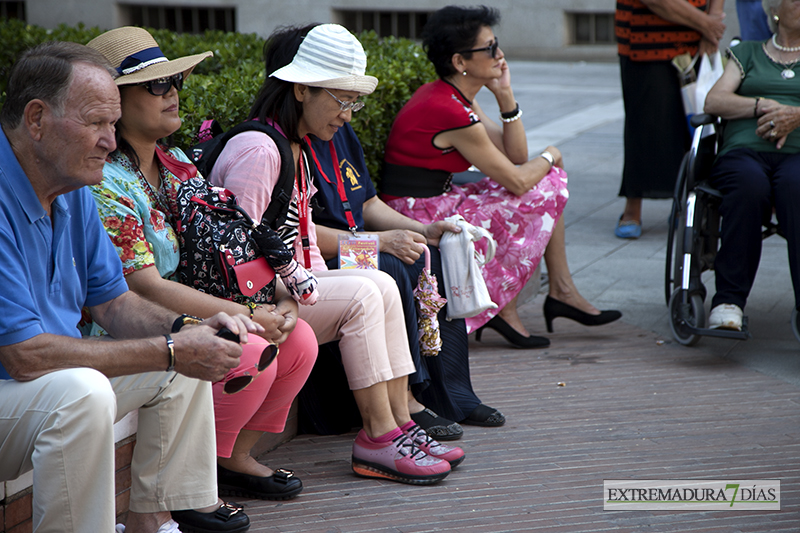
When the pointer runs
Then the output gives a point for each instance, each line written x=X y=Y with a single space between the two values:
x=138 y=218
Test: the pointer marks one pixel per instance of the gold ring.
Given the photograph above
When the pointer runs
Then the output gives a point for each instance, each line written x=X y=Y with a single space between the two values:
x=772 y=133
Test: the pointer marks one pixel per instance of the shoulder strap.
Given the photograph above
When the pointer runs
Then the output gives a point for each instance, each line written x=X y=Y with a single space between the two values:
x=275 y=214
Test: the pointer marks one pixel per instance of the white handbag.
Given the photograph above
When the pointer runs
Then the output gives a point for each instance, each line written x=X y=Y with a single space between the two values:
x=464 y=285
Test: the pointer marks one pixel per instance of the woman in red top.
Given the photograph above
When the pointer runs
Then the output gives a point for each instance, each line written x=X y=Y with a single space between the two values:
x=441 y=130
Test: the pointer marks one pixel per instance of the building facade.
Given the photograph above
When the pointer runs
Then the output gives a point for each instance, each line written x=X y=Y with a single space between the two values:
x=530 y=29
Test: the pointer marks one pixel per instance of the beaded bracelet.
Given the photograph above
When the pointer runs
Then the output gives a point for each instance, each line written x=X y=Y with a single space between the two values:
x=517 y=116
x=511 y=116
x=252 y=306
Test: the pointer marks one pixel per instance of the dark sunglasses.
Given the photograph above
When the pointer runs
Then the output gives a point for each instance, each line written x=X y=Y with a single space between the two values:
x=492 y=49
x=239 y=383
x=162 y=86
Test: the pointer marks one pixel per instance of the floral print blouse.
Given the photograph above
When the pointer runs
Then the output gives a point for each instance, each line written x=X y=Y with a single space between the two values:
x=138 y=218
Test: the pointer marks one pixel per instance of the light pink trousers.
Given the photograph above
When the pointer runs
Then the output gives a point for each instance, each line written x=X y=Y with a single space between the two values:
x=362 y=310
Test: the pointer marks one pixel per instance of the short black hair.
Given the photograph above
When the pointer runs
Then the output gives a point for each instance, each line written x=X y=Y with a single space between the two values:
x=275 y=99
x=453 y=29
x=44 y=72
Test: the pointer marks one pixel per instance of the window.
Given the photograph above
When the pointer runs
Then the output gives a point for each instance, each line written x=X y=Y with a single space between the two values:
x=406 y=24
x=12 y=10
x=181 y=19
x=591 y=28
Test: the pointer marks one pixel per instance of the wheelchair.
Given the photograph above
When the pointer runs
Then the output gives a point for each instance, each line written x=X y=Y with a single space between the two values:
x=694 y=239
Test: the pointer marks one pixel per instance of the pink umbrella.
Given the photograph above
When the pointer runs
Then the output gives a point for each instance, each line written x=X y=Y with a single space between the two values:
x=429 y=302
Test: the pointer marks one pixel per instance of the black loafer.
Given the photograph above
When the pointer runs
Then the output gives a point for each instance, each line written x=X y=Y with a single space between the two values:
x=229 y=518
x=436 y=426
x=485 y=416
x=281 y=485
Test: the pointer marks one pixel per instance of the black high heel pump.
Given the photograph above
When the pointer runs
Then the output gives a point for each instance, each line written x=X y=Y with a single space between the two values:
x=513 y=336
x=554 y=309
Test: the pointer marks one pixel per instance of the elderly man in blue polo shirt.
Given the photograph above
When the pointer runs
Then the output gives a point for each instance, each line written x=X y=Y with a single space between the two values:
x=60 y=394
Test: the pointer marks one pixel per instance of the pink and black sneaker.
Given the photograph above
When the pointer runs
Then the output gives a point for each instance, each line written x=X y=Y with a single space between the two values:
x=452 y=454
x=398 y=460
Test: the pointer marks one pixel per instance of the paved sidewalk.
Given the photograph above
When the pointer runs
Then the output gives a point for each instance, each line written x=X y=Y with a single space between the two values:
x=635 y=405
x=631 y=408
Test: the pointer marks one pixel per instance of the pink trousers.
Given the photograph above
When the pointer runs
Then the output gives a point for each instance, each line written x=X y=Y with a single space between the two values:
x=264 y=404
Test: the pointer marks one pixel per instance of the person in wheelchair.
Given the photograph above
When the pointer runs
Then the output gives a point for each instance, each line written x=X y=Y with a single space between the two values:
x=758 y=165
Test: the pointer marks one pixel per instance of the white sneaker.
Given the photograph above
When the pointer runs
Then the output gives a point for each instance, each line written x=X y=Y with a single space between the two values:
x=166 y=527
x=726 y=316
x=170 y=526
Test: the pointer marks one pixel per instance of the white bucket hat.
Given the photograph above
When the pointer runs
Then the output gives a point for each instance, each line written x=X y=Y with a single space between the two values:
x=329 y=57
x=137 y=57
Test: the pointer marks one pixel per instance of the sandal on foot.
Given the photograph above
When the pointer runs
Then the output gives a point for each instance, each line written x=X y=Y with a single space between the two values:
x=437 y=426
x=485 y=416
x=630 y=229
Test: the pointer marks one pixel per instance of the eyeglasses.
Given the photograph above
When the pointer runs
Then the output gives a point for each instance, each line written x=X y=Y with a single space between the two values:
x=239 y=383
x=162 y=86
x=492 y=49
x=346 y=106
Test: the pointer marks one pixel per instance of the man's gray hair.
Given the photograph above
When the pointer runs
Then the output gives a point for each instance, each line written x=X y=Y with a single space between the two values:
x=44 y=72
x=770 y=6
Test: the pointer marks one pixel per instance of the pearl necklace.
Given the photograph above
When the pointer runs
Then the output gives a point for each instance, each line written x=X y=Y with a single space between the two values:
x=784 y=48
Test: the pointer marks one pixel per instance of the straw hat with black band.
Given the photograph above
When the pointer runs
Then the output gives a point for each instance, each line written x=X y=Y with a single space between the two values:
x=137 y=57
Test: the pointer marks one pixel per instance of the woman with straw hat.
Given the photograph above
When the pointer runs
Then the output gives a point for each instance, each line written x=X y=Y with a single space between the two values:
x=137 y=203
x=315 y=76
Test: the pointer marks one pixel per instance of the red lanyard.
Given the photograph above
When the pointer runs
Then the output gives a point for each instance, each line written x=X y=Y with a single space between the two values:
x=348 y=212
x=302 y=208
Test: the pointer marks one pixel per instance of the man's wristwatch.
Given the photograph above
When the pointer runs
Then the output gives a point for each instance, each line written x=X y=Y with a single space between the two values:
x=182 y=321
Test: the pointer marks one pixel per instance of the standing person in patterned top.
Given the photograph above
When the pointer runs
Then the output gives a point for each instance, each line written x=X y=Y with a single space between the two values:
x=650 y=33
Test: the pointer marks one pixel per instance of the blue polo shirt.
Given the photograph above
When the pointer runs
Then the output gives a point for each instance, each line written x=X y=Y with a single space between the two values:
x=50 y=268
x=358 y=185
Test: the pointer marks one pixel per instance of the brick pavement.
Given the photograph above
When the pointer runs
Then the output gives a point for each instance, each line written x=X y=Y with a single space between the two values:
x=632 y=407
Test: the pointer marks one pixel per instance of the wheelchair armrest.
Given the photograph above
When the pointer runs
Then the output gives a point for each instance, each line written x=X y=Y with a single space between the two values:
x=702 y=119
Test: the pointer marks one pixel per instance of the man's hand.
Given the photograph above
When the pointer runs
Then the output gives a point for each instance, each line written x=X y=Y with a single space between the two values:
x=404 y=244
x=201 y=354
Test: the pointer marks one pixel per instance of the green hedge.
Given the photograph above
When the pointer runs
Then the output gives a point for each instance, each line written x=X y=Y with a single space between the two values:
x=223 y=87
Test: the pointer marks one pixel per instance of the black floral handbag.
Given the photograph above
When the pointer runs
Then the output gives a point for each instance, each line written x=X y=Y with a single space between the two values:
x=218 y=255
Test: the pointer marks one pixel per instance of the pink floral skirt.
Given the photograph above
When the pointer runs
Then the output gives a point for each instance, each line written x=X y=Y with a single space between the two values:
x=521 y=225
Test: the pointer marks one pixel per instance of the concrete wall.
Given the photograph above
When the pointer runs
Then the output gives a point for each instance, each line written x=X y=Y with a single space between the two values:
x=531 y=29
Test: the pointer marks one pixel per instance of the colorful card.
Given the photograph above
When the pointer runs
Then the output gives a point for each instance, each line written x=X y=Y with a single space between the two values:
x=358 y=251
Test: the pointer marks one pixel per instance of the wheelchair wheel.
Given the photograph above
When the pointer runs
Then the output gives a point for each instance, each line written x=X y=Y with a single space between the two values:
x=795 y=325
x=696 y=317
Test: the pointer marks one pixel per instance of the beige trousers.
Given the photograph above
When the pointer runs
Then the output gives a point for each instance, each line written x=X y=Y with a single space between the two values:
x=61 y=427
x=362 y=310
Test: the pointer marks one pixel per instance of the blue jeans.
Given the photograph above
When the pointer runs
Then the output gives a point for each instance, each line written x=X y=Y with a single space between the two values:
x=752 y=20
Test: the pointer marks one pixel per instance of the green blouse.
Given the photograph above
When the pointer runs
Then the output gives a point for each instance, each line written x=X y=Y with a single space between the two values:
x=761 y=76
